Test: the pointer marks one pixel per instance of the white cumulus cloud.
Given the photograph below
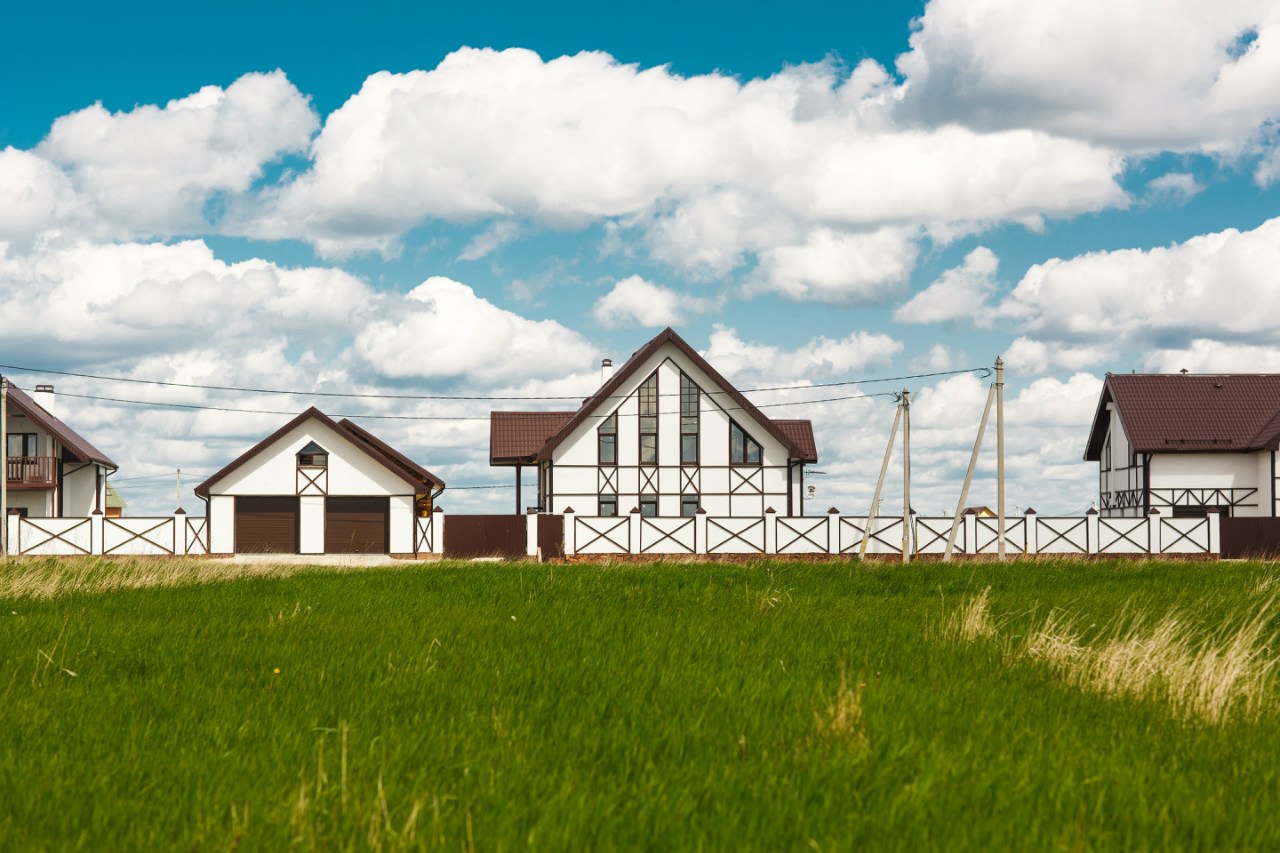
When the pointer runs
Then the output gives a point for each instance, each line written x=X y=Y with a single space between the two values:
x=636 y=302
x=959 y=293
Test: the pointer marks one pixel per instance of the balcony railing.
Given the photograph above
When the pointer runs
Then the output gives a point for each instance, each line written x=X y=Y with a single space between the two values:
x=31 y=472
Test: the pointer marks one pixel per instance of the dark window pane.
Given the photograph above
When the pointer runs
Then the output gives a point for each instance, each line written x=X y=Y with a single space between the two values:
x=648 y=424
x=608 y=504
x=753 y=453
x=689 y=505
x=736 y=452
x=688 y=448
x=649 y=505
x=608 y=449
x=648 y=450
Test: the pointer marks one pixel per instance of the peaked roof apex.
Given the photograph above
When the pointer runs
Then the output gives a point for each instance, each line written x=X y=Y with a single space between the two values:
x=637 y=359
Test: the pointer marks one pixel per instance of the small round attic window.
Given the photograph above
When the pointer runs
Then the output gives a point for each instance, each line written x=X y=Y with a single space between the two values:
x=313 y=456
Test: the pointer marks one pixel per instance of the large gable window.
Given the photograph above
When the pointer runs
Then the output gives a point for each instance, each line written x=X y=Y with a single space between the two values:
x=743 y=449
x=313 y=456
x=607 y=440
x=648 y=399
x=689 y=396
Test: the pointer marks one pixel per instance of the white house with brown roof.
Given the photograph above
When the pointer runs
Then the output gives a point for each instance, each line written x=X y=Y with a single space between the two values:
x=51 y=471
x=318 y=486
x=1183 y=444
x=666 y=435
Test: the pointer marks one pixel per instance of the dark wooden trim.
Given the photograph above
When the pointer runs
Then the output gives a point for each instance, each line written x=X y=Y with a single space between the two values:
x=634 y=364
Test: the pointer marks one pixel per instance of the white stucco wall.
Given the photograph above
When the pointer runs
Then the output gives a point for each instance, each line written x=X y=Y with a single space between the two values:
x=222 y=524
x=274 y=470
x=576 y=479
x=311 y=524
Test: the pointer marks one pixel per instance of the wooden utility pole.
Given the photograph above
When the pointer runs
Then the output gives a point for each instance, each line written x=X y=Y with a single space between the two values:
x=4 y=466
x=968 y=477
x=1000 y=456
x=906 y=476
x=884 y=469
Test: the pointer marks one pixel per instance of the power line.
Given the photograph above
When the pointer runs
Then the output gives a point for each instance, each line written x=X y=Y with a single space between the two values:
x=368 y=416
x=982 y=371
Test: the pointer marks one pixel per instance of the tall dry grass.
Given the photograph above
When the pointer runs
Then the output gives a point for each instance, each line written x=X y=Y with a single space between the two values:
x=1201 y=674
x=842 y=720
x=49 y=577
x=971 y=620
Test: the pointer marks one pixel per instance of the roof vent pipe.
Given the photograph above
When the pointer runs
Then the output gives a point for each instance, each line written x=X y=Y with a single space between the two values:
x=606 y=370
x=43 y=395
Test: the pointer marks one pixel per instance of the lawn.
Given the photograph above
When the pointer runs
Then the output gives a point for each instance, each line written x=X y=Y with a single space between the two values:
x=768 y=706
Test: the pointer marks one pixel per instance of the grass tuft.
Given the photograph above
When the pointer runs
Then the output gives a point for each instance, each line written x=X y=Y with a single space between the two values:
x=842 y=720
x=971 y=621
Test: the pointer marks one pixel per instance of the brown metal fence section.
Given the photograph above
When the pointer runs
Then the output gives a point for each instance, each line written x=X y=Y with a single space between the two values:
x=485 y=536
x=551 y=536
x=1244 y=538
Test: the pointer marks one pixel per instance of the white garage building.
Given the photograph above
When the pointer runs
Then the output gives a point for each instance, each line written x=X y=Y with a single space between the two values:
x=318 y=486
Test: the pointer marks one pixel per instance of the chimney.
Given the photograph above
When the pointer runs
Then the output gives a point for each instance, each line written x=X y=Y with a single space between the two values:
x=43 y=395
x=606 y=370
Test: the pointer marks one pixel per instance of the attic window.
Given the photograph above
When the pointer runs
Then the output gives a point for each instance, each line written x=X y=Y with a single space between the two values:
x=313 y=456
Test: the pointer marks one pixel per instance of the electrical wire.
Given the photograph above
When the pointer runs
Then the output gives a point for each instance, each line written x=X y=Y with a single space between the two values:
x=369 y=416
x=981 y=371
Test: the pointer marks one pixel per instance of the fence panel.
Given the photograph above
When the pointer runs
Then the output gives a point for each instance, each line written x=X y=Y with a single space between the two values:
x=197 y=535
x=139 y=537
x=485 y=536
x=1124 y=536
x=1062 y=535
x=53 y=537
x=1184 y=535
x=608 y=534
x=424 y=534
x=735 y=535
x=886 y=536
x=932 y=535
x=807 y=535
x=659 y=535
x=987 y=534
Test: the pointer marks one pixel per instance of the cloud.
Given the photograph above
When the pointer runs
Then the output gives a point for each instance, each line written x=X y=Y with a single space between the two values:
x=490 y=240
x=34 y=195
x=1174 y=187
x=636 y=302
x=961 y=293
x=1137 y=75
x=442 y=330
x=832 y=266
x=152 y=170
x=821 y=357
x=1208 y=356
x=1030 y=357
x=799 y=168
x=106 y=301
x=1204 y=287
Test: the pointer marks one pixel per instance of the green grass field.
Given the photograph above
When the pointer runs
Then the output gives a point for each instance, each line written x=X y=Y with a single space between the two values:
x=768 y=706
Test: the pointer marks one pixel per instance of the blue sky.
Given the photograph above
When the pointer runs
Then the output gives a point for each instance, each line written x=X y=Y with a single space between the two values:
x=446 y=197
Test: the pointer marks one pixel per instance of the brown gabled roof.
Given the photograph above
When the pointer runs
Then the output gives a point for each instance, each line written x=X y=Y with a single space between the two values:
x=70 y=440
x=351 y=432
x=1170 y=413
x=516 y=437
x=666 y=336
x=410 y=467
x=801 y=432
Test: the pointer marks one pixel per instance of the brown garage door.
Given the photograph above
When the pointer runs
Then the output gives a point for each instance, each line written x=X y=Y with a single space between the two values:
x=267 y=525
x=356 y=525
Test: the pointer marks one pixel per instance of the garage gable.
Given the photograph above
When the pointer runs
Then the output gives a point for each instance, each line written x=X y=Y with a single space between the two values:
x=351 y=467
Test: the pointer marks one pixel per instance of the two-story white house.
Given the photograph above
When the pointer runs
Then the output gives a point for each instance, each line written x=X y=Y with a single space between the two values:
x=1184 y=443
x=51 y=471
x=665 y=435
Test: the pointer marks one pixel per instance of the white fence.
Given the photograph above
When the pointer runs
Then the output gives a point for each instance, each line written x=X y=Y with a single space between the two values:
x=769 y=534
x=836 y=534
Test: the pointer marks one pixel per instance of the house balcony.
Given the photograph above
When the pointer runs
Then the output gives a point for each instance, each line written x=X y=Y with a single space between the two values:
x=31 y=472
